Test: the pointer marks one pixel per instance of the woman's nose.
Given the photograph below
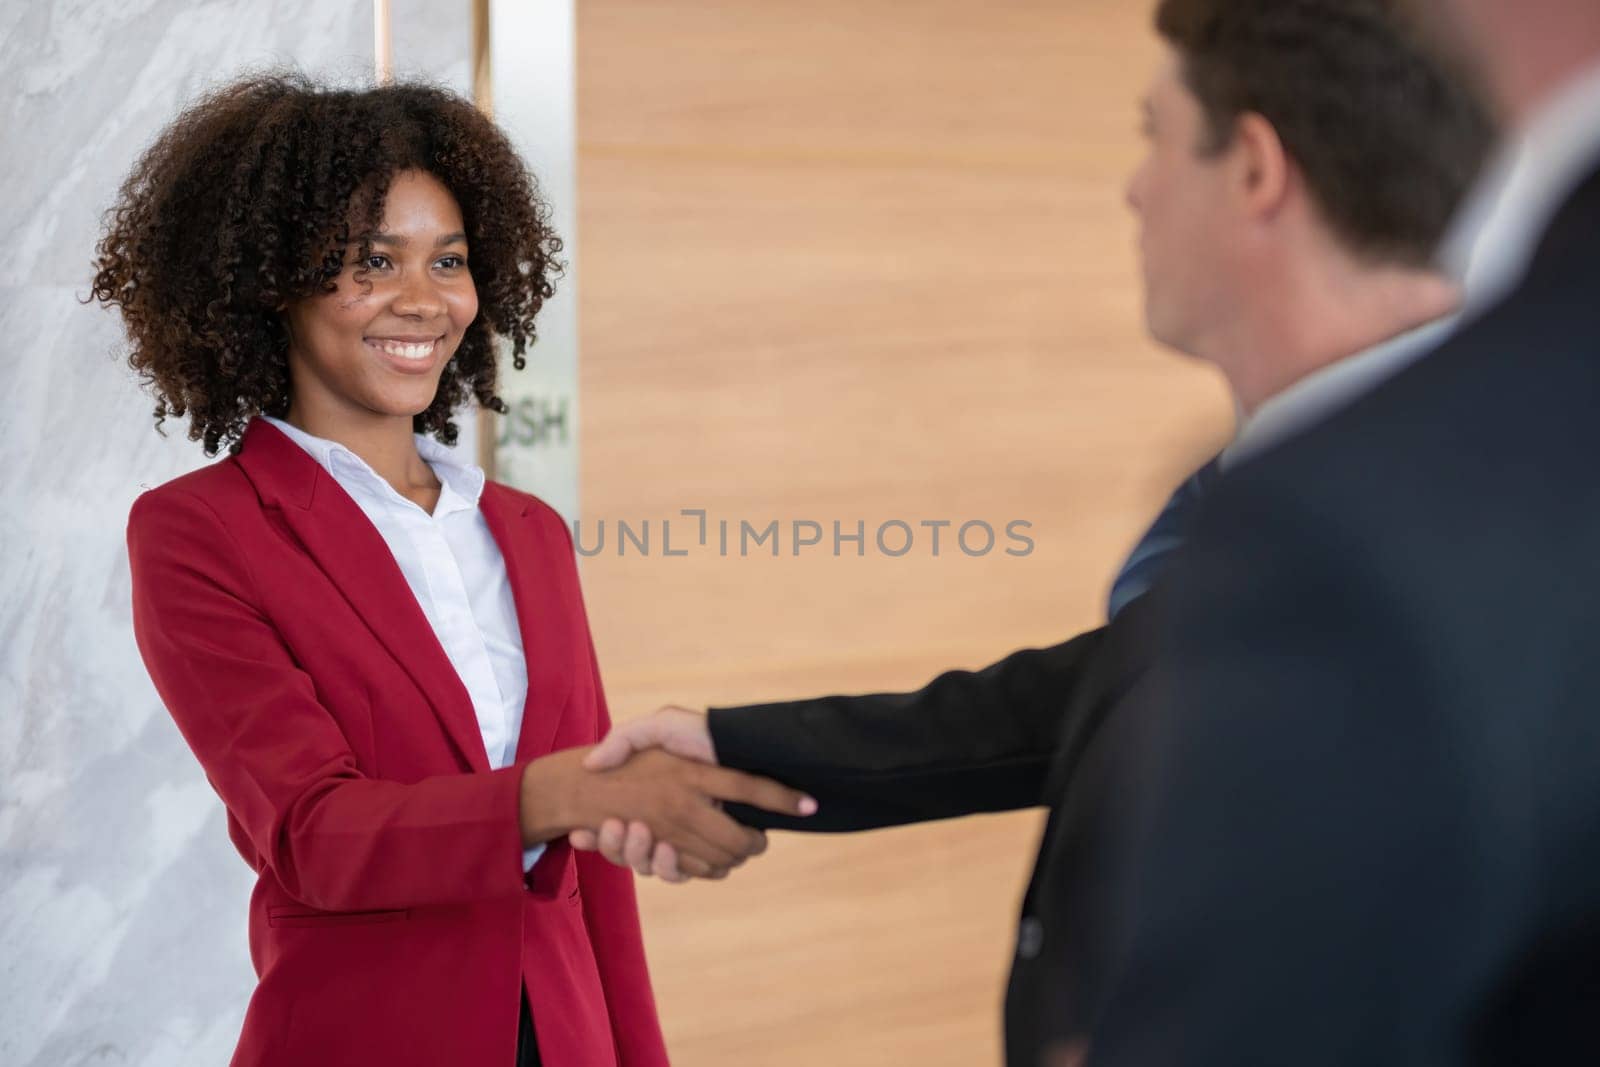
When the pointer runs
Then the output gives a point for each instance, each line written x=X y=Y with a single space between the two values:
x=418 y=296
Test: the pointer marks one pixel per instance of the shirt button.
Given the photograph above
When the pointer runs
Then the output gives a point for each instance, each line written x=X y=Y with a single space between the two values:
x=1030 y=938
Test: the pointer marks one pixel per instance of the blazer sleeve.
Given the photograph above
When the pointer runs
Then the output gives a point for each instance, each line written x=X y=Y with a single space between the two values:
x=968 y=742
x=333 y=838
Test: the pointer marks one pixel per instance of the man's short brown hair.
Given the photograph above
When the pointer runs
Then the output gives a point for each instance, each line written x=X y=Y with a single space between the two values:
x=1388 y=133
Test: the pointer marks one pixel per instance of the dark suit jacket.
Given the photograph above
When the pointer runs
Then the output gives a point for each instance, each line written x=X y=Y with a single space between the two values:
x=1364 y=822
x=1027 y=731
x=1354 y=816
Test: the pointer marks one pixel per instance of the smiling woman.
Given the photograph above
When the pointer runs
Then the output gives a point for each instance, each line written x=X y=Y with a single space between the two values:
x=380 y=658
x=262 y=194
x=377 y=344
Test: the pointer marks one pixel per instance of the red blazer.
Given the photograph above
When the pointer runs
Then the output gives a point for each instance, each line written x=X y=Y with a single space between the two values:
x=391 y=922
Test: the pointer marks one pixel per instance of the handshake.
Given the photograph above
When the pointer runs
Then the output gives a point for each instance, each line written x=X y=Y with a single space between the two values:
x=649 y=797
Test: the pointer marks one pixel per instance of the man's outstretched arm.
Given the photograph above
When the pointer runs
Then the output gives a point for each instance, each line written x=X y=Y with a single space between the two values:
x=968 y=742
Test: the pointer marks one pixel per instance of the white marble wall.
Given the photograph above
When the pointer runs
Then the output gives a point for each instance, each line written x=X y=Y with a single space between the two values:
x=534 y=51
x=122 y=904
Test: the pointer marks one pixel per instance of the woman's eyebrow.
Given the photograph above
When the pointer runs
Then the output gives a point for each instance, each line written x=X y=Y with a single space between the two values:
x=396 y=240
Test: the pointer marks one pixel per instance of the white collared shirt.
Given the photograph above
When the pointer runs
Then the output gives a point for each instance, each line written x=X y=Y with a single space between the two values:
x=1327 y=389
x=1494 y=236
x=454 y=568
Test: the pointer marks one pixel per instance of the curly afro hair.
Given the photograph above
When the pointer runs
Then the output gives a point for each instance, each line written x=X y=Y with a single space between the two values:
x=246 y=203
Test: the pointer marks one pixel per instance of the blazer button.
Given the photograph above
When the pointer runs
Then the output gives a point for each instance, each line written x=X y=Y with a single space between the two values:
x=1030 y=938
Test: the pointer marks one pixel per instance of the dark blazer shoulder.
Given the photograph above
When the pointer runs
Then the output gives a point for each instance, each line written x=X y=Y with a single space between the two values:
x=1506 y=380
x=1509 y=393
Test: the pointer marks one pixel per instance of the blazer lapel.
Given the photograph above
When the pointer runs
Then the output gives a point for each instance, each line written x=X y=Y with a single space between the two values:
x=338 y=536
x=544 y=605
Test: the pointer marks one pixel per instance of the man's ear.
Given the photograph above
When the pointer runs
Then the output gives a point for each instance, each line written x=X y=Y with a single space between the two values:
x=1262 y=167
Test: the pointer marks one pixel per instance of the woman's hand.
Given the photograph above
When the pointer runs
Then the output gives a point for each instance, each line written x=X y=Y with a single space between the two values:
x=677 y=799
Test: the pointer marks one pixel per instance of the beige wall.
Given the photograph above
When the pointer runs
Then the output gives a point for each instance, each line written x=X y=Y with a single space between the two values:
x=859 y=259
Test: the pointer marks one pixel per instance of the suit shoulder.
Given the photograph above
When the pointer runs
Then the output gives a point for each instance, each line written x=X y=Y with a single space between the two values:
x=1448 y=428
x=541 y=513
x=217 y=487
x=193 y=524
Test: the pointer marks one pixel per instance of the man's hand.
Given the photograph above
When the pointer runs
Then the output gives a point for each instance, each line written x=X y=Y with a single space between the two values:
x=634 y=843
x=677 y=801
x=677 y=730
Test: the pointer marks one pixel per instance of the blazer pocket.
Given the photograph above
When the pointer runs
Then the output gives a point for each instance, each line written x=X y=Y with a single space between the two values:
x=286 y=915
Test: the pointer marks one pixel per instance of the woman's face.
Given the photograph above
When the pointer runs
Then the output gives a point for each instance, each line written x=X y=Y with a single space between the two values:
x=377 y=345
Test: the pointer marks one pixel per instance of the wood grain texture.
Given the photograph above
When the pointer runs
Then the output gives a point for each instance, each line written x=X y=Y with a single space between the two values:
x=860 y=260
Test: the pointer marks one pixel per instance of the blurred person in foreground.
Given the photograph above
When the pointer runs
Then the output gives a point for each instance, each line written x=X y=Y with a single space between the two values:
x=1304 y=159
x=1366 y=809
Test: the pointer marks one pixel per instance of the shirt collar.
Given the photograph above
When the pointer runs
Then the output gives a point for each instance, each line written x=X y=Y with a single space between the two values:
x=462 y=483
x=1324 y=391
x=1496 y=232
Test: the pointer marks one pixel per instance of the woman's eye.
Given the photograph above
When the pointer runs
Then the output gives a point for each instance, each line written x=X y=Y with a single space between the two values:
x=452 y=262
x=375 y=262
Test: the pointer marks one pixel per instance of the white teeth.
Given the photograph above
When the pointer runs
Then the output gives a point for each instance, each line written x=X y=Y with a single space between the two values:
x=404 y=351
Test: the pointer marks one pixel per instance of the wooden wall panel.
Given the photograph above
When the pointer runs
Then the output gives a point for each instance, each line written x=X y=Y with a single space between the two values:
x=859 y=260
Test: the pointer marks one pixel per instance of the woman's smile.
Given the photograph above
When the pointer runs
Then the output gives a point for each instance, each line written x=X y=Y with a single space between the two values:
x=408 y=355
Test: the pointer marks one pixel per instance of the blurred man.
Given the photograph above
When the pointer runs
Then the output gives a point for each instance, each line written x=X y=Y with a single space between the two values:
x=1304 y=158
x=1365 y=807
